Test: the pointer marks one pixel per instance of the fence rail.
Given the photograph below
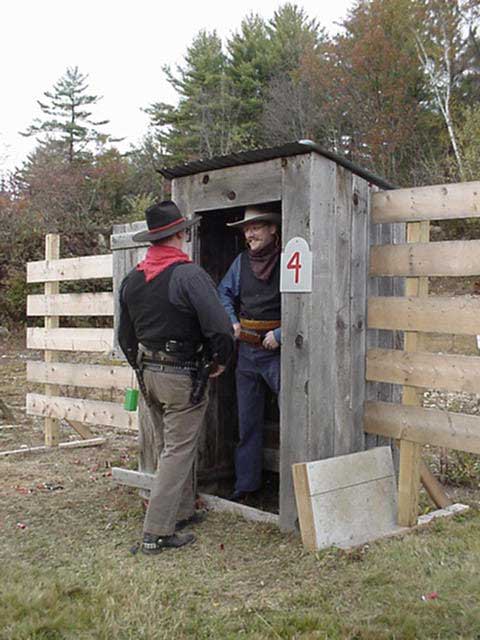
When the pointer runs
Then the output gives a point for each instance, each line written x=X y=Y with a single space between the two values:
x=438 y=202
x=57 y=270
x=52 y=338
x=418 y=313
x=426 y=259
x=71 y=304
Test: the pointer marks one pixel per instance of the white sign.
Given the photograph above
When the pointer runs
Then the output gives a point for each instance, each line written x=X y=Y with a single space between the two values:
x=296 y=267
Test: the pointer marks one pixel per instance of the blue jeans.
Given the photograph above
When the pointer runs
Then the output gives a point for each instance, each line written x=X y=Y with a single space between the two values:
x=255 y=369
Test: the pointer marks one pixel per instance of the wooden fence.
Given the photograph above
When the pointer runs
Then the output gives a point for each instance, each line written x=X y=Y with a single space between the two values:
x=52 y=338
x=415 y=313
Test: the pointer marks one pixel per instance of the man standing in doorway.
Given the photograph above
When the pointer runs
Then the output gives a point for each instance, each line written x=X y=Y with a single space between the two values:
x=170 y=321
x=250 y=293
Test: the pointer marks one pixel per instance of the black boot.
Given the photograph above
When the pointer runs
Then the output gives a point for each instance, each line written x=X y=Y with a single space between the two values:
x=153 y=544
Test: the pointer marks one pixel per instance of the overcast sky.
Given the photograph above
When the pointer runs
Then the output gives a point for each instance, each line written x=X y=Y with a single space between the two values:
x=121 y=45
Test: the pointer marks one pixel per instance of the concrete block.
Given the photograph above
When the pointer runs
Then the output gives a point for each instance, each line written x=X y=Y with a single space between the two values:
x=347 y=500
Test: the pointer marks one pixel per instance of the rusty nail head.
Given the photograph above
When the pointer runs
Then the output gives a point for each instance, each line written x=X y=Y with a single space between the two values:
x=206 y=179
x=231 y=195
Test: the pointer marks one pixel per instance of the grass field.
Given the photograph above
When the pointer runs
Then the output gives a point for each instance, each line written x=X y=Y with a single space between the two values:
x=67 y=574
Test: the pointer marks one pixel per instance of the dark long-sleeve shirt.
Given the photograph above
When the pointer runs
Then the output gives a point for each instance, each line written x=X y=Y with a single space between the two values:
x=192 y=292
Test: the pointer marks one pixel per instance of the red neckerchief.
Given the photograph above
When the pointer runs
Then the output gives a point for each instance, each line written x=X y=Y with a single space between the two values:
x=158 y=258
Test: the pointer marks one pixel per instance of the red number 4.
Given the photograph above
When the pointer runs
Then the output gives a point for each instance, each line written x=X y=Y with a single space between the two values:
x=294 y=263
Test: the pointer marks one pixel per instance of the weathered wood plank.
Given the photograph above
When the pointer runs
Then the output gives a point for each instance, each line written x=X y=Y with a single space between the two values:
x=426 y=259
x=233 y=186
x=459 y=315
x=424 y=370
x=70 y=339
x=124 y=260
x=80 y=375
x=92 y=442
x=71 y=304
x=84 y=268
x=109 y=414
x=358 y=297
x=121 y=237
x=408 y=483
x=304 y=505
x=319 y=393
x=249 y=513
x=423 y=426
x=82 y=429
x=411 y=452
x=295 y=371
x=433 y=487
x=438 y=202
x=383 y=234
x=341 y=285
x=140 y=480
x=52 y=252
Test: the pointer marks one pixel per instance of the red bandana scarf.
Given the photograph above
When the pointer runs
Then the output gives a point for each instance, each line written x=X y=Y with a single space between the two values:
x=158 y=258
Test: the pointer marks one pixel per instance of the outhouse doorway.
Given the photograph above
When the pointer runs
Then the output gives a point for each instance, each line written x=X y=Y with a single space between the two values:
x=215 y=248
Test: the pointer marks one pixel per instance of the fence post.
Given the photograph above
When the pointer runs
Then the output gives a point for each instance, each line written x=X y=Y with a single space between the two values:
x=410 y=453
x=52 y=425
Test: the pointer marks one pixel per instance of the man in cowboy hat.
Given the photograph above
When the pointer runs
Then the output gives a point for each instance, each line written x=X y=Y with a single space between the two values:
x=250 y=293
x=169 y=315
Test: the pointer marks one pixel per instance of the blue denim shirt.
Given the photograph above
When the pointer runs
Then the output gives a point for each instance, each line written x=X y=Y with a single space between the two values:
x=229 y=294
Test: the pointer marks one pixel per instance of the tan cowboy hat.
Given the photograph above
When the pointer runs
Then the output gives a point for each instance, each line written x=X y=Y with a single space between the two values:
x=253 y=214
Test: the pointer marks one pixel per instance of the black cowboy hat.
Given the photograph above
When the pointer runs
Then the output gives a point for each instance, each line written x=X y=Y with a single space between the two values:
x=163 y=220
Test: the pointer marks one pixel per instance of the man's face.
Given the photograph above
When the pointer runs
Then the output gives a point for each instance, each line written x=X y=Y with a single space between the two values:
x=258 y=234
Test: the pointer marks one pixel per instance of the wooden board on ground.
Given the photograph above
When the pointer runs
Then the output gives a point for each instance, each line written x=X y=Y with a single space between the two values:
x=347 y=500
x=73 y=444
x=142 y=480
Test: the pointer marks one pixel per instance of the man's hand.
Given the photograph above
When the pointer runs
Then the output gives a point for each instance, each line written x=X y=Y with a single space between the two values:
x=220 y=368
x=236 y=330
x=270 y=342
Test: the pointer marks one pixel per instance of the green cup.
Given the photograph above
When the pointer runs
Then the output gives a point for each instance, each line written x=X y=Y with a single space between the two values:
x=130 y=402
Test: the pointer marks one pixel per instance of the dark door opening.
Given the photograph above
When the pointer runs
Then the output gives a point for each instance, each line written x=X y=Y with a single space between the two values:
x=216 y=247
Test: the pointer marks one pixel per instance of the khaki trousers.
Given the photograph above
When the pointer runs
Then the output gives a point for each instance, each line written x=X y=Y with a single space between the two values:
x=176 y=425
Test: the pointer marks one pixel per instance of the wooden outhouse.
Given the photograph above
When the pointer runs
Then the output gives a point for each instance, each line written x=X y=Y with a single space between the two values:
x=325 y=200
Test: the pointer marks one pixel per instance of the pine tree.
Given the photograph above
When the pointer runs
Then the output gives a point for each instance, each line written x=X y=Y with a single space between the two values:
x=202 y=125
x=292 y=34
x=67 y=118
x=250 y=69
x=290 y=112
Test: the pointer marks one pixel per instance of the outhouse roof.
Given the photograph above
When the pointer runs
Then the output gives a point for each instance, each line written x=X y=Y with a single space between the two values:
x=260 y=155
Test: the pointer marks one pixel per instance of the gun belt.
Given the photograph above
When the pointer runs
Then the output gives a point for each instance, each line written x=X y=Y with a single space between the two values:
x=171 y=367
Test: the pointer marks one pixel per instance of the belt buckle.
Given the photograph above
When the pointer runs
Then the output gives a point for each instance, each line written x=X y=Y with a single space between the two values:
x=171 y=346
